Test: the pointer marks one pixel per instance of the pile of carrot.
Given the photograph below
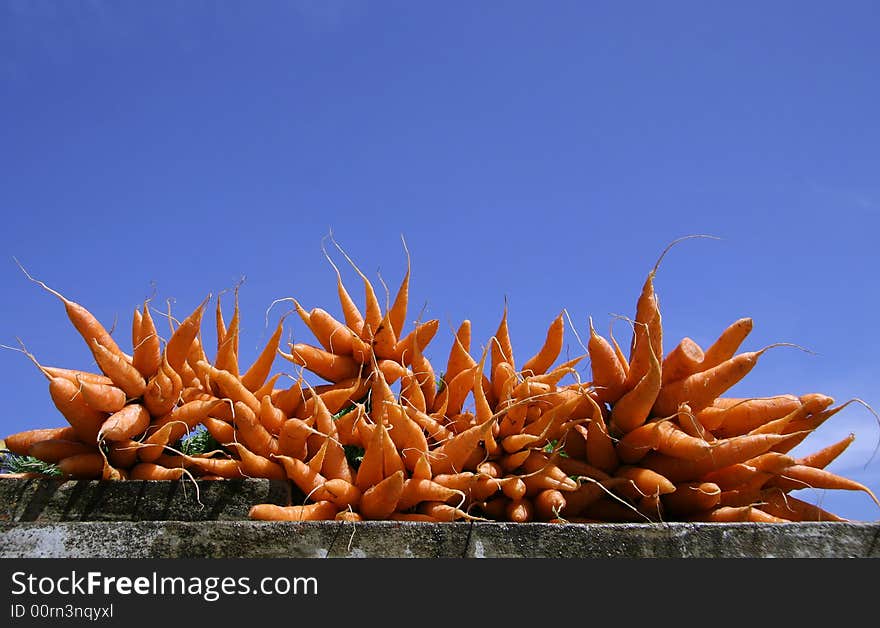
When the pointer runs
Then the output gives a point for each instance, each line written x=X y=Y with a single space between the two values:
x=650 y=436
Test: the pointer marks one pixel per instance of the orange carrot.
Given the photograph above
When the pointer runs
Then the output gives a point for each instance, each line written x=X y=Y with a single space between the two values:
x=451 y=455
x=549 y=351
x=254 y=465
x=799 y=476
x=119 y=370
x=329 y=366
x=380 y=500
x=251 y=432
x=318 y=511
x=255 y=376
x=685 y=359
x=825 y=456
x=230 y=386
x=722 y=453
x=730 y=514
x=182 y=338
x=54 y=449
x=20 y=442
x=727 y=344
x=634 y=407
x=397 y=310
x=147 y=352
x=87 y=466
x=84 y=321
x=609 y=374
x=163 y=390
x=417 y=491
x=152 y=471
x=227 y=345
x=125 y=424
x=103 y=397
x=733 y=416
x=700 y=389
x=690 y=498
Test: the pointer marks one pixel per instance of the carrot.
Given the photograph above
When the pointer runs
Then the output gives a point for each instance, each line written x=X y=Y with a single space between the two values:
x=727 y=344
x=230 y=386
x=293 y=437
x=675 y=442
x=122 y=454
x=65 y=395
x=306 y=479
x=329 y=366
x=353 y=318
x=372 y=467
x=87 y=466
x=255 y=376
x=75 y=375
x=799 y=476
x=634 y=407
x=163 y=390
x=780 y=504
x=152 y=471
x=406 y=435
x=228 y=468
x=318 y=511
x=270 y=417
x=685 y=359
x=451 y=455
x=53 y=450
x=184 y=418
x=732 y=416
x=103 y=397
x=178 y=346
x=459 y=358
x=380 y=500
x=84 y=321
x=433 y=429
x=220 y=430
x=349 y=515
x=227 y=345
x=20 y=442
x=541 y=472
x=417 y=491
x=645 y=481
x=147 y=348
x=548 y=504
x=700 y=389
x=439 y=511
x=254 y=465
x=154 y=444
x=119 y=370
x=422 y=370
x=732 y=514
x=456 y=391
x=600 y=448
x=86 y=421
x=125 y=424
x=372 y=309
x=722 y=453
x=251 y=432
x=520 y=510
x=549 y=351
x=825 y=456
x=397 y=311
x=609 y=374
x=638 y=442
x=689 y=498
x=501 y=348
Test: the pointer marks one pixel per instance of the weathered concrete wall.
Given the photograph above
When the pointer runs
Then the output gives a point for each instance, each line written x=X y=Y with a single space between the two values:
x=163 y=519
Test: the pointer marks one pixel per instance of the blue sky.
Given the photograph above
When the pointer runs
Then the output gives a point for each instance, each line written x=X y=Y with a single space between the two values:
x=542 y=153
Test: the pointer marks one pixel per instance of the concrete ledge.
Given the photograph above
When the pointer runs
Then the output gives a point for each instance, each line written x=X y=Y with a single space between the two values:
x=141 y=519
x=205 y=500
x=383 y=539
